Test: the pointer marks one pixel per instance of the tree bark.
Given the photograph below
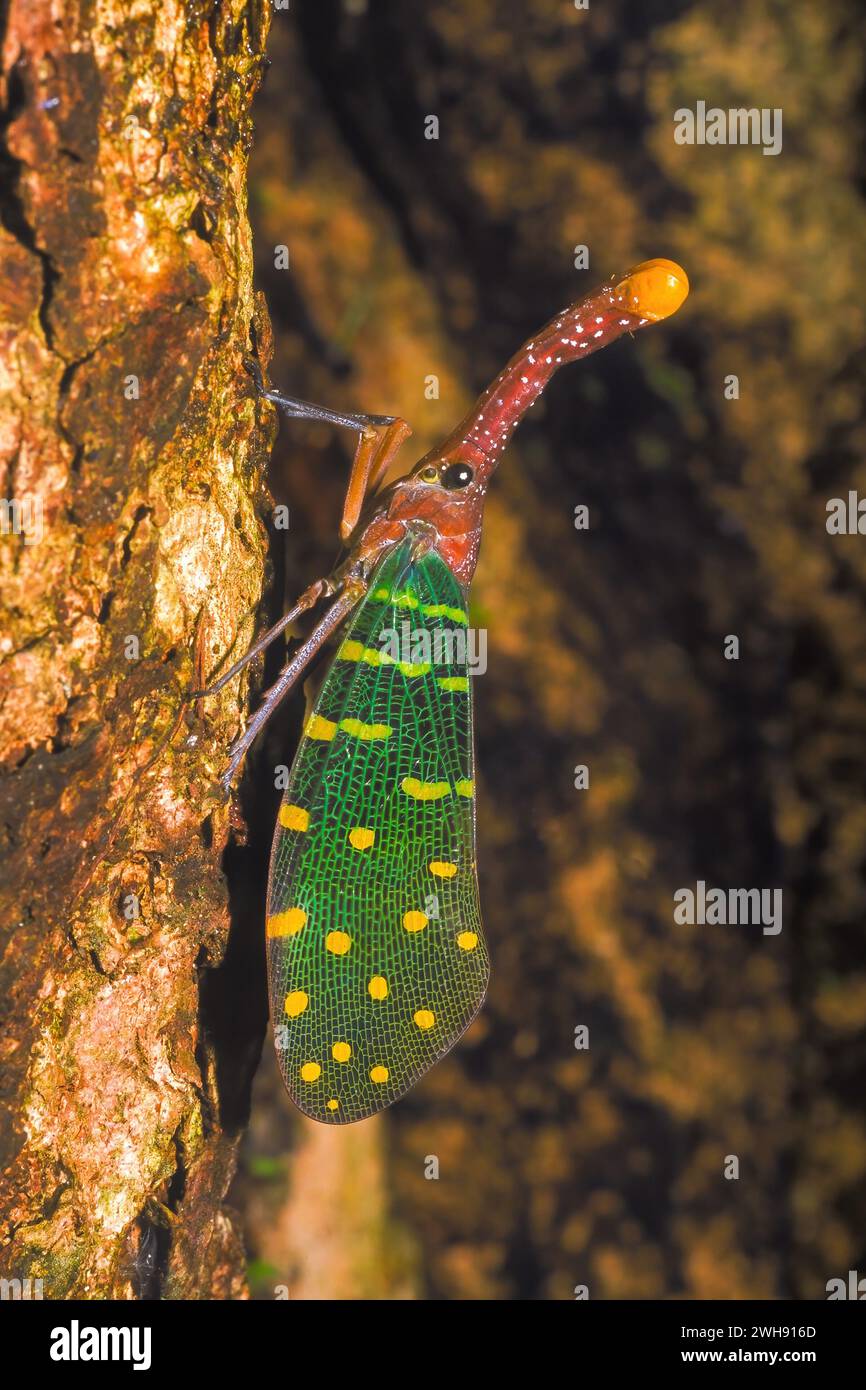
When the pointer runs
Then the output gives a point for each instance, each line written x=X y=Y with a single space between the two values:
x=132 y=561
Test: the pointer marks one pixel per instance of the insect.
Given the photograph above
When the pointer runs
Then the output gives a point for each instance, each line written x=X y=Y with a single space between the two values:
x=377 y=961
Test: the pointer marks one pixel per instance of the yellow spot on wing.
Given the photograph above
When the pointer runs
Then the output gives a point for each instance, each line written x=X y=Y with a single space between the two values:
x=424 y=1018
x=361 y=838
x=414 y=668
x=294 y=817
x=415 y=921
x=286 y=923
x=357 y=729
x=310 y=1071
x=379 y=1075
x=430 y=610
x=325 y=729
x=424 y=791
x=338 y=942
x=441 y=869
x=341 y=1052
x=453 y=682
x=317 y=727
x=467 y=941
x=378 y=987
x=441 y=610
x=333 y=1105
x=296 y=1003
x=356 y=651
x=465 y=787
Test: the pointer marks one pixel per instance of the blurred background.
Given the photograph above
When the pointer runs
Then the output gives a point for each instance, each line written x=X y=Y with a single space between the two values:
x=411 y=257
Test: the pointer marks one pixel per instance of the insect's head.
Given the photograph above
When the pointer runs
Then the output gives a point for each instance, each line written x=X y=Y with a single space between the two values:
x=465 y=462
x=447 y=486
x=446 y=489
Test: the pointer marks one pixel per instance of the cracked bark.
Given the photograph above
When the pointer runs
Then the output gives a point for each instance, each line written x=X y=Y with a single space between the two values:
x=130 y=438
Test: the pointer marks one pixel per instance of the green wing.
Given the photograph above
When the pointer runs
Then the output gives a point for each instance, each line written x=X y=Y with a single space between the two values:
x=376 y=957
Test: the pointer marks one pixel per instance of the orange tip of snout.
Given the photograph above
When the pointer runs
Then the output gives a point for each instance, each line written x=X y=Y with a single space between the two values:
x=653 y=289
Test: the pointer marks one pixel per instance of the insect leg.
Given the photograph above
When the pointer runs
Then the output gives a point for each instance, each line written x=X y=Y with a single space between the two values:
x=372 y=457
x=297 y=409
x=395 y=435
x=322 y=588
x=336 y=614
x=379 y=438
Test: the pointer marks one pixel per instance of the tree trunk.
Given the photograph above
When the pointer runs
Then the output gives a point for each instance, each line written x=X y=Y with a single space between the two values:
x=132 y=561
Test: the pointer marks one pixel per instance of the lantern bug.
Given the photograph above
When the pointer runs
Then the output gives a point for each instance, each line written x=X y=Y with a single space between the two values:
x=376 y=956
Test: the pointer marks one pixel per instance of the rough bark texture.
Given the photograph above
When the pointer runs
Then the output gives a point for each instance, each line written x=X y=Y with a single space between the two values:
x=412 y=257
x=125 y=309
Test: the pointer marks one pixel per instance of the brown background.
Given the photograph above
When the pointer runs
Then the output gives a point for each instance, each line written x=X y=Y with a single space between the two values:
x=411 y=257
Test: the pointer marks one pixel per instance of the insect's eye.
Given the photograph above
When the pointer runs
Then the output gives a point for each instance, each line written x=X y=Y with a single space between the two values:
x=430 y=474
x=457 y=475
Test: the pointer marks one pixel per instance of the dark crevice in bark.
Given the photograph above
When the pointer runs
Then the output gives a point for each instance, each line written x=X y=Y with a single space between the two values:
x=148 y=1264
x=13 y=215
x=126 y=549
x=177 y=1182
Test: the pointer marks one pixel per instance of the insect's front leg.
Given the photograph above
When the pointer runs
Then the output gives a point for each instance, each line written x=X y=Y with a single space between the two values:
x=297 y=409
x=379 y=438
